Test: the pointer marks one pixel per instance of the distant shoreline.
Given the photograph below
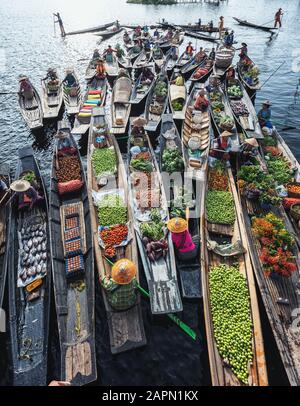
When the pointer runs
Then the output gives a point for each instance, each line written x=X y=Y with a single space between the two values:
x=155 y=2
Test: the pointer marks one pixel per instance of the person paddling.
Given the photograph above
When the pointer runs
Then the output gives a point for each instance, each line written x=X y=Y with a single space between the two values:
x=264 y=115
x=278 y=16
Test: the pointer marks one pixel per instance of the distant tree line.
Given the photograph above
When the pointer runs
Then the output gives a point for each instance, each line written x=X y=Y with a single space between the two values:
x=156 y=2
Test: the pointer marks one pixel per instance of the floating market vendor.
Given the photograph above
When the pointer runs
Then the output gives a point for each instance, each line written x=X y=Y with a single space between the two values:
x=26 y=89
x=178 y=81
x=189 y=50
x=221 y=148
x=244 y=50
x=25 y=194
x=146 y=30
x=137 y=31
x=200 y=55
x=147 y=76
x=186 y=246
x=108 y=54
x=100 y=69
x=169 y=34
x=229 y=38
x=147 y=45
x=230 y=73
x=96 y=55
x=52 y=76
x=212 y=54
x=201 y=102
x=249 y=149
x=156 y=33
x=121 y=287
x=126 y=37
x=136 y=47
x=278 y=15
x=264 y=115
x=119 y=51
x=69 y=80
x=138 y=126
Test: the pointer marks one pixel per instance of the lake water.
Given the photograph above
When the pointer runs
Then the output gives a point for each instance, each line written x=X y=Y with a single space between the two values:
x=30 y=45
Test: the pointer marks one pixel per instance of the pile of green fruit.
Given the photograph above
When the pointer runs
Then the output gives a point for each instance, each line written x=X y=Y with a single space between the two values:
x=230 y=308
x=220 y=207
x=161 y=89
x=172 y=161
x=235 y=92
x=177 y=105
x=104 y=160
x=112 y=210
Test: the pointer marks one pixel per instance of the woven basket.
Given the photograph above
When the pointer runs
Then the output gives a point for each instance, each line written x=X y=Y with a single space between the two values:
x=291 y=194
x=294 y=214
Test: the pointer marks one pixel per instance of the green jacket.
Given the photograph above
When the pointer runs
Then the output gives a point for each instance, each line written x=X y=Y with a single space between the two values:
x=120 y=297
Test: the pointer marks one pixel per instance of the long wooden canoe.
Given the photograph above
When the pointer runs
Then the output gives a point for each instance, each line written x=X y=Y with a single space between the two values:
x=216 y=237
x=140 y=91
x=72 y=96
x=247 y=120
x=189 y=272
x=200 y=36
x=112 y=68
x=108 y=33
x=155 y=107
x=252 y=25
x=202 y=76
x=52 y=99
x=142 y=60
x=29 y=281
x=158 y=57
x=160 y=272
x=74 y=293
x=120 y=106
x=93 y=29
x=5 y=218
x=171 y=60
x=250 y=86
x=125 y=327
x=32 y=110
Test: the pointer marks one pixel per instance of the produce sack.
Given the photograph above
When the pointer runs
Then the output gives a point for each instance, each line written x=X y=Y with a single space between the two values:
x=69 y=187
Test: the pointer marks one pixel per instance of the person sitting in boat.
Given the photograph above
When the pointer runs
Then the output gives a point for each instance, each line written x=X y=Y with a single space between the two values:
x=249 y=149
x=186 y=247
x=213 y=83
x=119 y=51
x=100 y=69
x=108 y=54
x=25 y=194
x=147 y=76
x=200 y=55
x=189 y=51
x=156 y=33
x=145 y=30
x=96 y=55
x=243 y=51
x=230 y=75
x=173 y=53
x=278 y=15
x=126 y=37
x=26 y=89
x=169 y=34
x=138 y=126
x=221 y=149
x=178 y=81
x=51 y=76
x=201 y=102
x=69 y=80
x=147 y=45
x=264 y=115
x=199 y=22
x=137 y=31
x=121 y=287
x=212 y=54
x=136 y=47
x=64 y=142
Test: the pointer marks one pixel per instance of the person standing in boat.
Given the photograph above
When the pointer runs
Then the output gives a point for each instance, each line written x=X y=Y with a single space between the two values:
x=189 y=51
x=108 y=54
x=211 y=26
x=278 y=16
x=221 y=27
x=200 y=55
x=212 y=54
x=264 y=115
x=100 y=69
x=26 y=89
x=186 y=247
x=229 y=39
x=201 y=102
x=121 y=287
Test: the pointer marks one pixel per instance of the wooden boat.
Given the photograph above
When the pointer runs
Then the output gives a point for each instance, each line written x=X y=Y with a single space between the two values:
x=90 y=70
x=251 y=86
x=156 y=105
x=52 y=98
x=125 y=327
x=192 y=27
x=133 y=54
x=120 y=106
x=112 y=68
x=203 y=37
x=142 y=60
x=32 y=110
x=29 y=280
x=93 y=29
x=94 y=97
x=280 y=295
x=110 y=32
x=125 y=62
x=177 y=97
x=196 y=130
x=220 y=110
x=161 y=271
x=5 y=218
x=171 y=60
x=204 y=70
x=73 y=265
x=244 y=111
x=158 y=57
x=223 y=61
x=248 y=24
x=72 y=96
x=191 y=65
x=140 y=91
x=189 y=272
x=226 y=244
x=183 y=60
x=177 y=40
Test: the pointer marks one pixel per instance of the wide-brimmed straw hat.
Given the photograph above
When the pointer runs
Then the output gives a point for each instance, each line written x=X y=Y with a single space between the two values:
x=23 y=77
x=177 y=225
x=20 y=185
x=123 y=271
x=266 y=103
x=251 y=141
x=139 y=122
x=225 y=134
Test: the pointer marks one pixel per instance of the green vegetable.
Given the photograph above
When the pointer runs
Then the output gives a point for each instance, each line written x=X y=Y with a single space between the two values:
x=152 y=230
x=104 y=160
x=30 y=177
x=177 y=105
x=112 y=210
x=161 y=89
x=172 y=160
x=142 y=165
x=279 y=168
x=220 y=207
x=230 y=308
